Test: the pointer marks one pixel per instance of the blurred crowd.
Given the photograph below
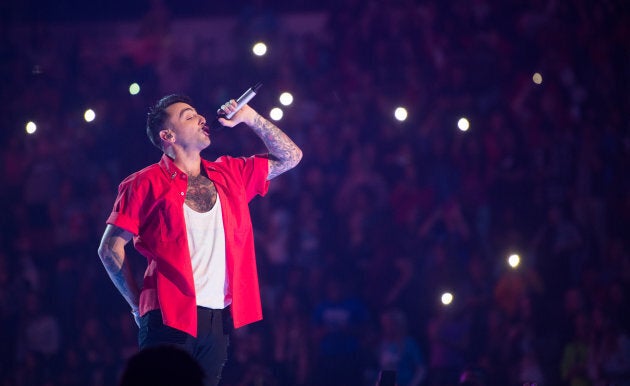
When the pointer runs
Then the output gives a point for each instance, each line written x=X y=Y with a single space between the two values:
x=356 y=245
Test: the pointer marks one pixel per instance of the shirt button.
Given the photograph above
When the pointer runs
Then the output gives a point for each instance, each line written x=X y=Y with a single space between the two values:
x=173 y=175
x=182 y=193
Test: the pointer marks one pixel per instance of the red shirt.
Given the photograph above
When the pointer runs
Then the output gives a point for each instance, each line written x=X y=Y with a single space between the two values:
x=150 y=205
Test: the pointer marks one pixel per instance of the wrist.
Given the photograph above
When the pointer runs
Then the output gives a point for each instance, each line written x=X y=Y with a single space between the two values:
x=253 y=119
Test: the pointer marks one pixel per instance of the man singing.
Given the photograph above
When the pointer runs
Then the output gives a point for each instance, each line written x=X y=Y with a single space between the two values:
x=190 y=218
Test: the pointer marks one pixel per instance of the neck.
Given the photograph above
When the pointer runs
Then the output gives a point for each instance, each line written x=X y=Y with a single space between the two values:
x=188 y=162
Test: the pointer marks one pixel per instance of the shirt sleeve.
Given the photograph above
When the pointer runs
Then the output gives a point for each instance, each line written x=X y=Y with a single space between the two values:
x=127 y=207
x=254 y=171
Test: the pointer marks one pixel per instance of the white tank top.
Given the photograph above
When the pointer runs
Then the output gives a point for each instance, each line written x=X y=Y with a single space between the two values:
x=206 y=242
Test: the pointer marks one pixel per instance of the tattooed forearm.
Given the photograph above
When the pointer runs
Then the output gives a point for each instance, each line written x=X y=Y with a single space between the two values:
x=112 y=254
x=123 y=280
x=285 y=154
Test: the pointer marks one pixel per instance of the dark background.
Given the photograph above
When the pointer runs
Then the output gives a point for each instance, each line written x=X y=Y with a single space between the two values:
x=357 y=243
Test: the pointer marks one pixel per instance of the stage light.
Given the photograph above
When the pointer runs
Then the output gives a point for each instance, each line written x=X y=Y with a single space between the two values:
x=259 y=49
x=31 y=127
x=134 y=89
x=89 y=115
x=276 y=113
x=400 y=114
x=463 y=124
x=537 y=78
x=446 y=298
x=286 y=98
x=514 y=260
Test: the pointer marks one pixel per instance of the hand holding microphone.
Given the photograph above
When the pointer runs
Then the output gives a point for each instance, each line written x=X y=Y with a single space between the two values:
x=229 y=109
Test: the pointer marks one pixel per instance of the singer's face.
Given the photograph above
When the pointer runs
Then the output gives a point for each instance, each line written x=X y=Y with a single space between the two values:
x=188 y=126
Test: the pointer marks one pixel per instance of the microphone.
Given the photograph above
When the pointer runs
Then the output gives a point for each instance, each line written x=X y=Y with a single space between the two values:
x=240 y=102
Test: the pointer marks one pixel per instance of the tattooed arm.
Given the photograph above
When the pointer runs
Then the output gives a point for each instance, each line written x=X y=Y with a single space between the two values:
x=112 y=254
x=284 y=153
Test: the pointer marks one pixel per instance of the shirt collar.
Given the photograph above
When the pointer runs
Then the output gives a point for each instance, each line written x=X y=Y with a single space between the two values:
x=168 y=166
x=208 y=165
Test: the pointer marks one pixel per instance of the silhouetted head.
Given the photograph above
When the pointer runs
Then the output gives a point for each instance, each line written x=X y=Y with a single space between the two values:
x=162 y=366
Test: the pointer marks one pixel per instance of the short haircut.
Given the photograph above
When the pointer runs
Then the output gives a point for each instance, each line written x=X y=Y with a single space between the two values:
x=157 y=116
x=162 y=366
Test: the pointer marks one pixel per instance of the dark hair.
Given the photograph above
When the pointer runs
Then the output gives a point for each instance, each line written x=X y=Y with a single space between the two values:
x=472 y=375
x=157 y=116
x=162 y=366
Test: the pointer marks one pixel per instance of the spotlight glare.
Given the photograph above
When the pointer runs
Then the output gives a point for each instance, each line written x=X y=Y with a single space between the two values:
x=514 y=260
x=537 y=78
x=89 y=115
x=400 y=114
x=276 y=113
x=286 y=98
x=463 y=124
x=31 y=127
x=446 y=298
x=134 y=88
x=259 y=49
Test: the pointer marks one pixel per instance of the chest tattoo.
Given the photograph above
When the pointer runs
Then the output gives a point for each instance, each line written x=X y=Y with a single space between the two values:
x=201 y=195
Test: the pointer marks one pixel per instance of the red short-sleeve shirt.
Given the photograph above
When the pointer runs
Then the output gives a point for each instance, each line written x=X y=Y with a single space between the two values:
x=150 y=205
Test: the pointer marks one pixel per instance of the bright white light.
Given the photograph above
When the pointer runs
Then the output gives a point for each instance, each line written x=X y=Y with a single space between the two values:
x=31 y=127
x=447 y=298
x=89 y=115
x=537 y=78
x=286 y=98
x=134 y=89
x=514 y=260
x=463 y=124
x=400 y=113
x=259 y=49
x=276 y=113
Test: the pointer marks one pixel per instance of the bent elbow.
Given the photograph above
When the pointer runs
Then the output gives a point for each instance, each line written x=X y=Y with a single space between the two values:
x=104 y=251
x=297 y=158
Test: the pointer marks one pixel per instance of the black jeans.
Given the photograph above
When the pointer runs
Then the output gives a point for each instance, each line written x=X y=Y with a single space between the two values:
x=210 y=346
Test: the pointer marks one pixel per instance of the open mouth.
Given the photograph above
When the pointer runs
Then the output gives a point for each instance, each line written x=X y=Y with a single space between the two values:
x=206 y=129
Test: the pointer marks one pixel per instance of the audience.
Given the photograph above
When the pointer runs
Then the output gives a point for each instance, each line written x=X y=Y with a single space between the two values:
x=380 y=216
x=162 y=366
